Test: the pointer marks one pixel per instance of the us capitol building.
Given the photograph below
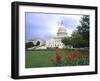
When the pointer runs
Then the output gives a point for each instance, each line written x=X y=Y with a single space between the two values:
x=54 y=42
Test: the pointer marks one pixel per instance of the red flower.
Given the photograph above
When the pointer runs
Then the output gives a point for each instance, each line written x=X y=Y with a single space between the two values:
x=51 y=60
x=58 y=57
x=74 y=57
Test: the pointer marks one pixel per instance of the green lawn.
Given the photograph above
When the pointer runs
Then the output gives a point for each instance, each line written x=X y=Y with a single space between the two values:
x=41 y=58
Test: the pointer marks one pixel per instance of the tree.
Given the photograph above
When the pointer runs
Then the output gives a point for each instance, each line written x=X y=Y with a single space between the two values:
x=79 y=37
x=29 y=45
x=67 y=41
x=38 y=43
x=77 y=41
x=83 y=29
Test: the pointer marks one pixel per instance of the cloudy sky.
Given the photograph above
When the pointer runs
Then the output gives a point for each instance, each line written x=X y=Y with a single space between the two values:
x=43 y=26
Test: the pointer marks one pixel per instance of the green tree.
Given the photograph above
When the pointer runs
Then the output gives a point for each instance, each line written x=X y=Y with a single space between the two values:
x=38 y=43
x=67 y=41
x=83 y=29
x=29 y=45
x=77 y=41
x=79 y=37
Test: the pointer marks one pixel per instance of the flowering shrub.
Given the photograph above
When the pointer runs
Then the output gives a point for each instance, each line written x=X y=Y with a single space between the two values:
x=73 y=57
x=58 y=57
x=64 y=58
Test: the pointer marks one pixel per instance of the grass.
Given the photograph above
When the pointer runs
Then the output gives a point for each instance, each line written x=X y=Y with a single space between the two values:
x=41 y=58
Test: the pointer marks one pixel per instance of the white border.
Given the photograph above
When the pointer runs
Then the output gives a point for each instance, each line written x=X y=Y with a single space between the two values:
x=53 y=70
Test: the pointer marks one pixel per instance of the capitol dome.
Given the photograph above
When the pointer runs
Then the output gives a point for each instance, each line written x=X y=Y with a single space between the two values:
x=56 y=42
x=62 y=32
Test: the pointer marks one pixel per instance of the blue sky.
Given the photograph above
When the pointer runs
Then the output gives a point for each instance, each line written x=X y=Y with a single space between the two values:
x=44 y=26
